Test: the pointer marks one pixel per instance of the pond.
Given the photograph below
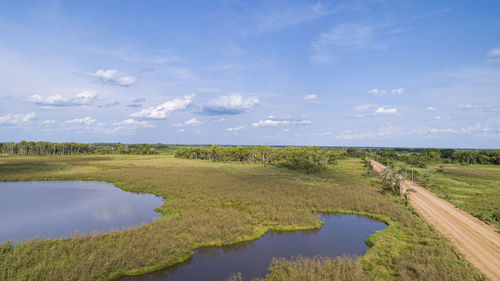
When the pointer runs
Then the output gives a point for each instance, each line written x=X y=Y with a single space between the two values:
x=52 y=209
x=339 y=235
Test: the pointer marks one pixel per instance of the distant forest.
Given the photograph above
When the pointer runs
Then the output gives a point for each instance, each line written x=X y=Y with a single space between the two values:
x=435 y=155
x=71 y=148
x=306 y=158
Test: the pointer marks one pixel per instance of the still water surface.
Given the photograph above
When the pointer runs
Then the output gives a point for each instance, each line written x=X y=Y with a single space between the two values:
x=51 y=209
x=339 y=235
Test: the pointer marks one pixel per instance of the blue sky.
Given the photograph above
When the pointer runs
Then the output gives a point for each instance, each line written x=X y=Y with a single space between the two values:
x=350 y=73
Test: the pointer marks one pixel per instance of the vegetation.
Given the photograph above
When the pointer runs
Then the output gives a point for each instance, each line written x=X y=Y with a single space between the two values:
x=422 y=157
x=468 y=179
x=213 y=203
x=473 y=188
x=71 y=148
x=309 y=159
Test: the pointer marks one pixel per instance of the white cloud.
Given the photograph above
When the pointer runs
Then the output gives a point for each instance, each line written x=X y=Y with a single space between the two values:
x=270 y=123
x=164 y=110
x=87 y=121
x=81 y=98
x=310 y=97
x=494 y=52
x=134 y=123
x=235 y=129
x=49 y=122
x=219 y=120
x=229 y=105
x=112 y=76
x=16 y=119
x=385 y=110
x=467 y=106
x=430 y=108
x=398 y=91
x=190 y=122
x=377 y=92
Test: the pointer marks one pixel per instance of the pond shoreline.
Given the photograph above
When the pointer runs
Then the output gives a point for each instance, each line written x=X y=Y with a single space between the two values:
x=261 y=233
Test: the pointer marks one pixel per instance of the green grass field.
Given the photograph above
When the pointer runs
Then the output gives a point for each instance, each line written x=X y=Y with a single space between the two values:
x=474 y=188
x=209 y=203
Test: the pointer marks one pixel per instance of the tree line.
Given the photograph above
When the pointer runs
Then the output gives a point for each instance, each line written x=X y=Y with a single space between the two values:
x=309 y=159
x=71 y=148
x=435 y=155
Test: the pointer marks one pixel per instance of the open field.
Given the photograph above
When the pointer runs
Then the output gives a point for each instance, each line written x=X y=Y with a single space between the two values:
x=476 y=240
x=473 y=188
x=214 y=203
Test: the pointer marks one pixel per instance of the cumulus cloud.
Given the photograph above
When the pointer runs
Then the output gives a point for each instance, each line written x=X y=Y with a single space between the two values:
x=377 y=92
x=430 y=108
x=16 y=119
x=87 y=121
x=310 y=97
x=112 y=76
x=81 y=98
x=494 y=52
x=385 y=110
x=398 y=91
x=190 y=122
x=230 y=105
x=164 y=110
x=134 y=123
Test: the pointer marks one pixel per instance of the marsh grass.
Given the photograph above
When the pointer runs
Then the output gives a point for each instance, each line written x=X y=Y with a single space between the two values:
x=212 y=203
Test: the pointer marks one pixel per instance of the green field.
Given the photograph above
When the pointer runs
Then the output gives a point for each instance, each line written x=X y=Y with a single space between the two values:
x=215 y=203
x=473 y=188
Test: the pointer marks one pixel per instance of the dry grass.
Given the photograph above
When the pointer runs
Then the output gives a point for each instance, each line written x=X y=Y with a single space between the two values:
x=211 y=203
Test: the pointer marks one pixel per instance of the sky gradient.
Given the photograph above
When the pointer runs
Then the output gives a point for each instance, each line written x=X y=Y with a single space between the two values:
x=334 y=73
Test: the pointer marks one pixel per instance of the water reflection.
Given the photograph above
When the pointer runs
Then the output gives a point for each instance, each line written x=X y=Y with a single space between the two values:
x=339 y=235
x=50 y=209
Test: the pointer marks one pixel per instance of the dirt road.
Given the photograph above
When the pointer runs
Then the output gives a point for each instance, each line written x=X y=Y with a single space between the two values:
x=477 y=241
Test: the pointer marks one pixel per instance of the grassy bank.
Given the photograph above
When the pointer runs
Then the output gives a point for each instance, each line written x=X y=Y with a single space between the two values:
x=211 y=203
x=473 y=188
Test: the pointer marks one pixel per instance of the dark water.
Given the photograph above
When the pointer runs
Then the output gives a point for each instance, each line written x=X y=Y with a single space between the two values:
x=50 y=209
x=339 y=235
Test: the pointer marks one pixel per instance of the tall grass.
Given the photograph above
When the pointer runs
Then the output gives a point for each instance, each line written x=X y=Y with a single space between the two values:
x=212 y=203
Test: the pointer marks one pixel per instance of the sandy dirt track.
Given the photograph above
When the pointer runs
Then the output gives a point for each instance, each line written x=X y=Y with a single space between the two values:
x=477 y=241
